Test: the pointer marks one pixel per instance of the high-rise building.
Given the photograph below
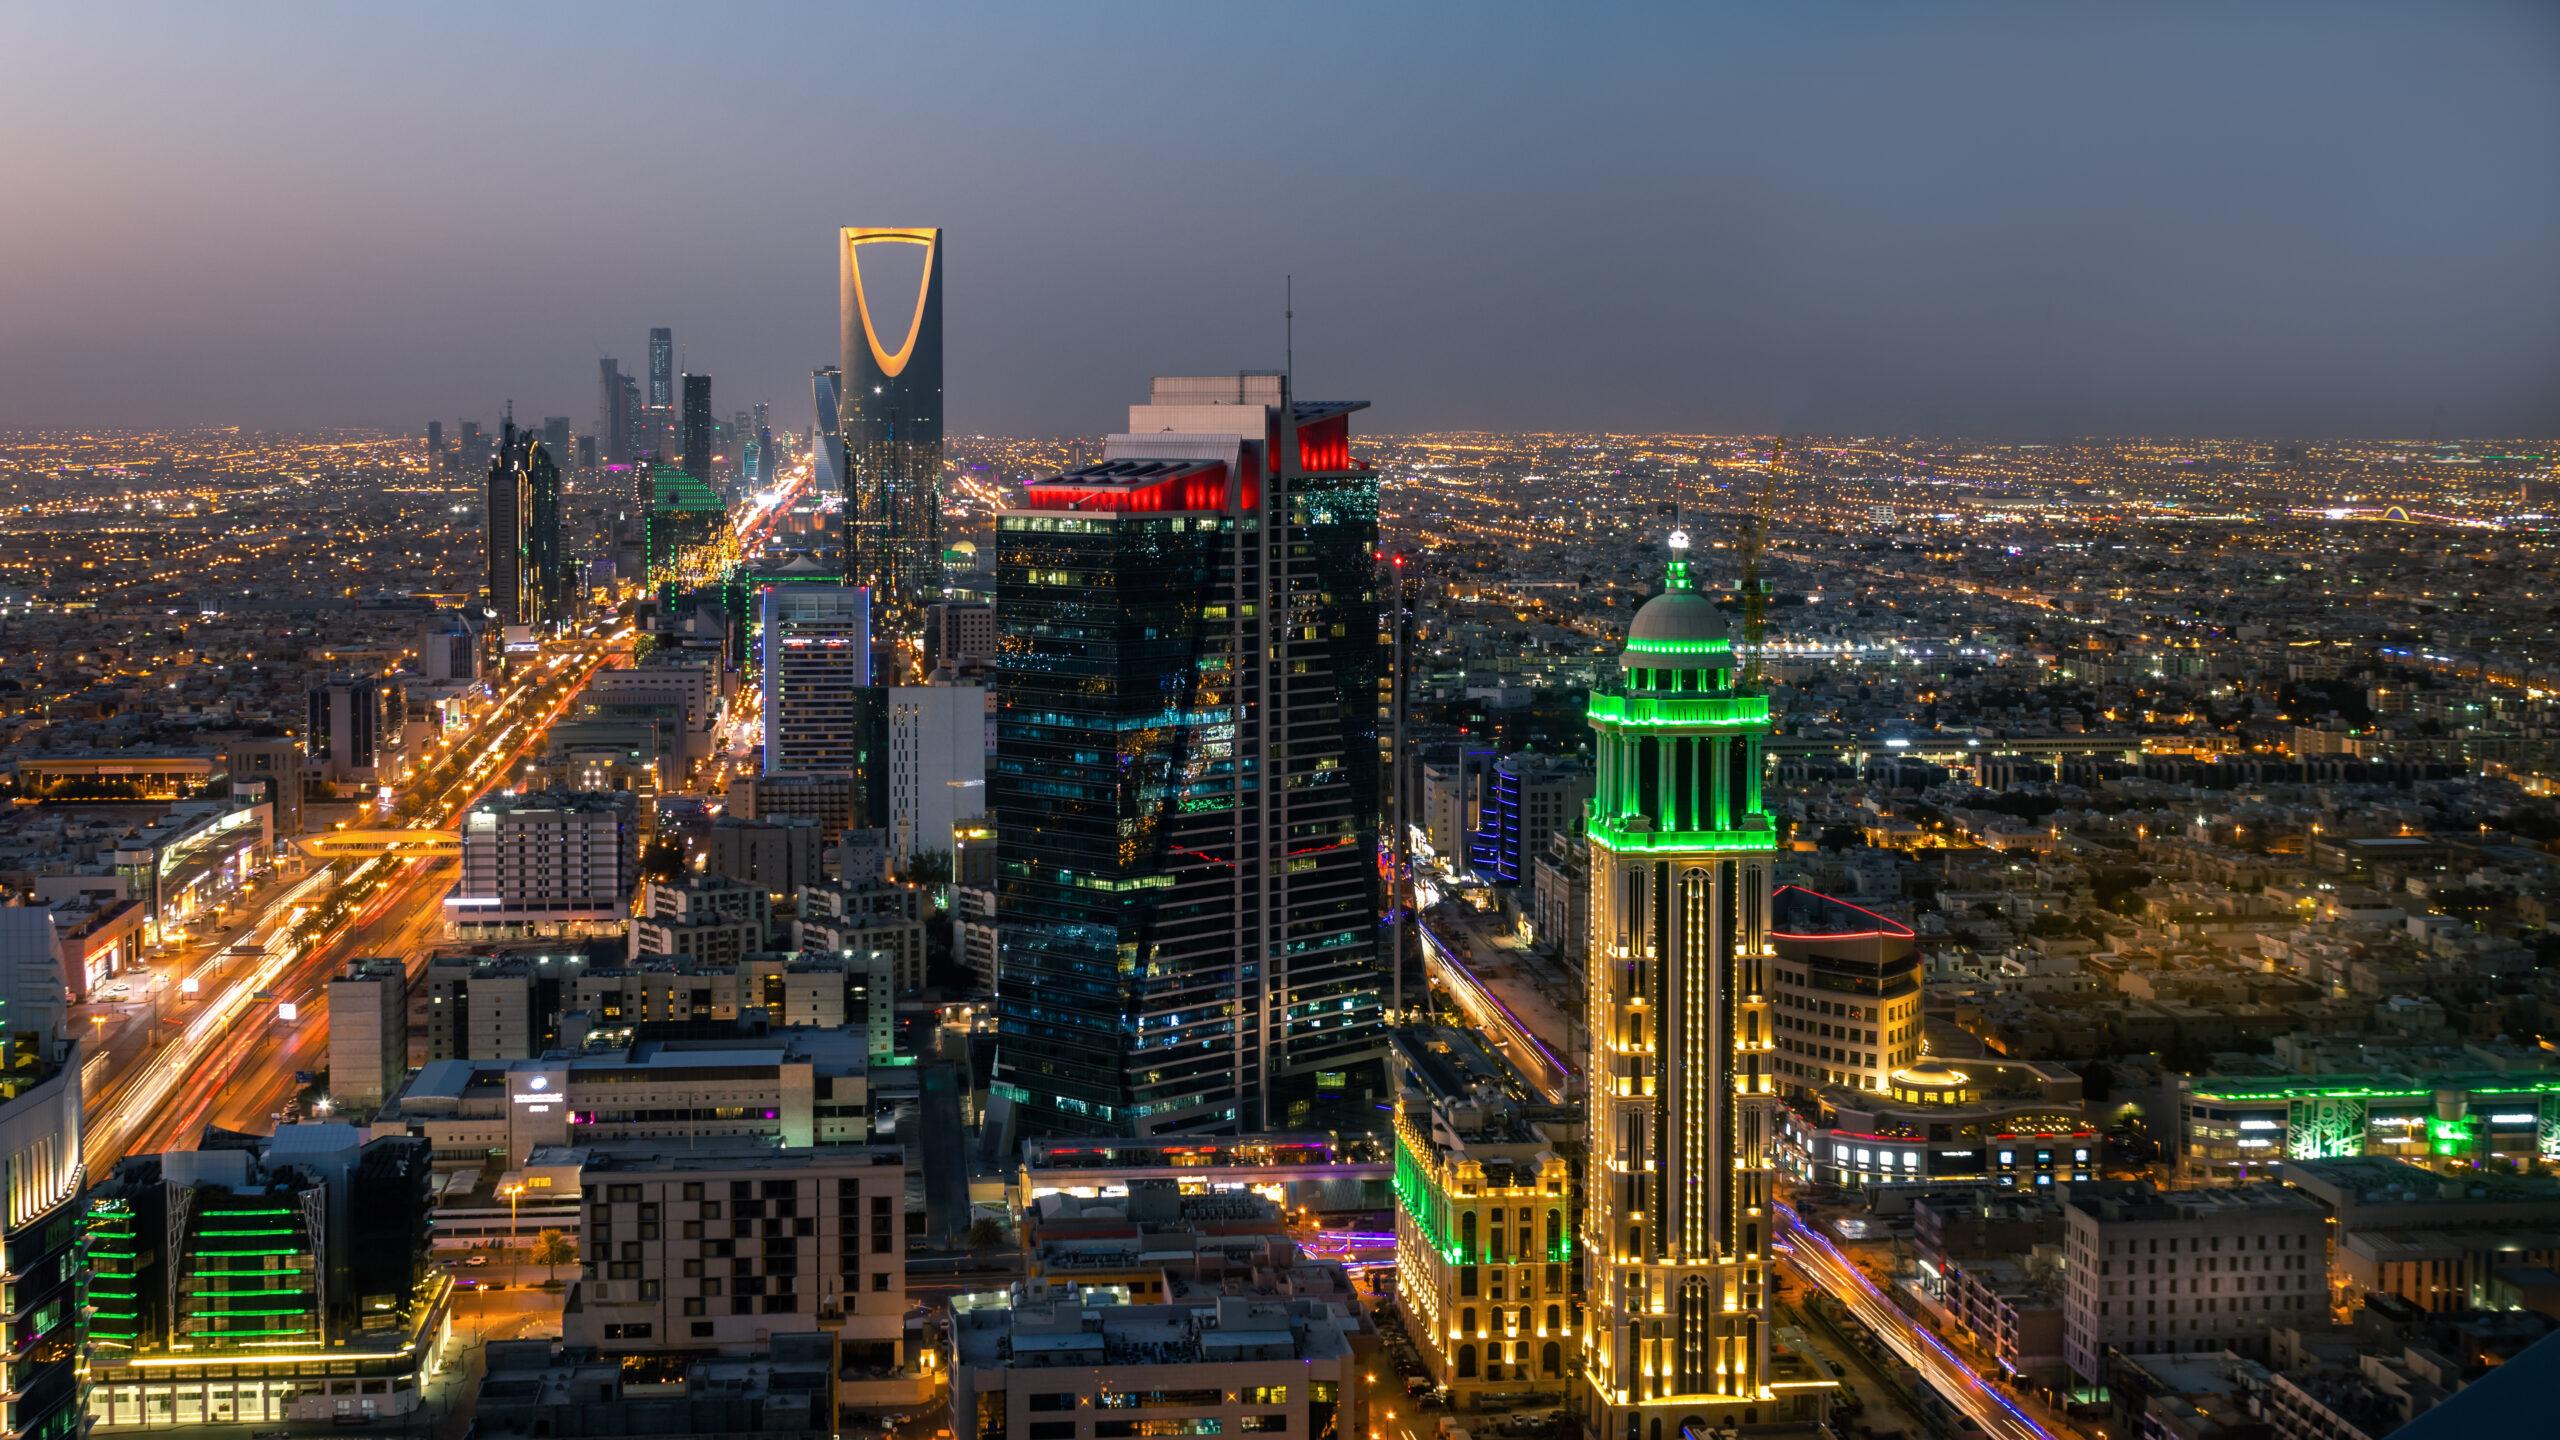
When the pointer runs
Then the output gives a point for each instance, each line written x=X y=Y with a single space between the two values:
x=937 y=766
x=555 y=437
x=764 y=445
x=613 y=414
x=816 y=643
x=959 y=632
x=697 y=426
x=528 y=579
x=40 y=1146
x=368 y=1031
x=560 y=863
x=891 y=421
x=1184 y=794
x=435 y=447
x=343 y=733
x=826 y=440
x=1528 y=797
x=1677 y=1223
x=662 y=367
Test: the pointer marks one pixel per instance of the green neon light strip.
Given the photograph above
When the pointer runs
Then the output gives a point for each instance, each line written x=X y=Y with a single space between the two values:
x=279 y=1270
x=127 y=1335
x=271 y=1330
x=1654 y=712
x=245 y=1214
x=240 y=1234
x=1680 y=647
x=234 y=1254
x=261 y=1314
x=244 y=1294
x=1747 y=840
x=115 y=1315
x=113 y=1255
x=2208 y=1089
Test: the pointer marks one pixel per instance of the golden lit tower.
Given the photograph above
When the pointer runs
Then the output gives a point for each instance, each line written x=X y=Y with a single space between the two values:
x=1676 y=1224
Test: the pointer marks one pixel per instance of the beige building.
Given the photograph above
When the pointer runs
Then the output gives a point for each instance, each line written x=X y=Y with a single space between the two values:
x=1844 y=990
x=2149 y=1272
x=726 y=1244
x=1484 y=1222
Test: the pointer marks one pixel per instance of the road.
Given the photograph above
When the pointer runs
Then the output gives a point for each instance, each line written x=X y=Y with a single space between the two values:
x=220 y=1055
x=1811 y=1255
x=1542 y=1065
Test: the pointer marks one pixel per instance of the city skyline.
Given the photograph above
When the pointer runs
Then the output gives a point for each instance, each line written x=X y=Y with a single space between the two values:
x=1999 y=222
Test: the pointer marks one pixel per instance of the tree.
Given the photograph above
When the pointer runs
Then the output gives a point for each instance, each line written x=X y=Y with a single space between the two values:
x=985 y=1233
x=551 y=1250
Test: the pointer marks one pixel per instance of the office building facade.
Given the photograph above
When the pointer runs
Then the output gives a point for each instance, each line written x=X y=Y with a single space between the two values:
x=826 y=436
x=890 y=418
x=368 y=1031
x=527 y=582
x=816 y=644
x=697 y=426
x=937 y=766
x=1186 y=712
x=1678 y=1219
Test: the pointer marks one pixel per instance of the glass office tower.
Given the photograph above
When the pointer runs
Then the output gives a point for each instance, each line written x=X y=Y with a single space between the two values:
x=1186 y=691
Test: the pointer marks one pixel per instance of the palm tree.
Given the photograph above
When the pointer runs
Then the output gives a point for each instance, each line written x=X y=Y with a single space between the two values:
x=551 y=1250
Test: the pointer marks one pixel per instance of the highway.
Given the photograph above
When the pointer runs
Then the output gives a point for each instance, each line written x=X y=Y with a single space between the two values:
x=234 y=1052
x=1812 y=1255
x=1544 y=1067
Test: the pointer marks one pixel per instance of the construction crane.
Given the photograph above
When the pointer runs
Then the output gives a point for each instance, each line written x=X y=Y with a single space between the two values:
x=1755 y=545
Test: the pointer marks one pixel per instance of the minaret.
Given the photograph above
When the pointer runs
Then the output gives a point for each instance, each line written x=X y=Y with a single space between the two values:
x=1677 y=1223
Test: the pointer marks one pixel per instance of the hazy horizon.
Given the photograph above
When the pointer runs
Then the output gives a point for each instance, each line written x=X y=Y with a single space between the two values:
x=2002 y=222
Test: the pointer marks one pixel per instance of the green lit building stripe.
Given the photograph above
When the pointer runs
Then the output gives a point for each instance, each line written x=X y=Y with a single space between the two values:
x=1680 y=647
x=1612 y=835
x=1685 y=711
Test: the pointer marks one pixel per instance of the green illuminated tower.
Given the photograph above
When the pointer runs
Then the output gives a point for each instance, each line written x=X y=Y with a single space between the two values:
x=1677 y=1221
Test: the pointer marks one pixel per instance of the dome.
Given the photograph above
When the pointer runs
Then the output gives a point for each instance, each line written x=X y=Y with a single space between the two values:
x=1682 y=615
x=1930 y=1075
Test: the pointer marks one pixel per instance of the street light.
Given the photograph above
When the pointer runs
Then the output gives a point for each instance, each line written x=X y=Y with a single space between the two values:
x=512 y=1193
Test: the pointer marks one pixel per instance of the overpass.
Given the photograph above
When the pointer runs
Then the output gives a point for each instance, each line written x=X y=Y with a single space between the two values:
x=368 y=844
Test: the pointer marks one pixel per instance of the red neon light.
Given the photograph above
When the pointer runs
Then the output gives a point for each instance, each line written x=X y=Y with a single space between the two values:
x=1201 y=488
x=1887 y=926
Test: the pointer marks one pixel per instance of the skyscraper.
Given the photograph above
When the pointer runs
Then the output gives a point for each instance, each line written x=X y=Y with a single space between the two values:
x=891 y=420
x=555 y=438
x=662 y=367
x=697 y=426
x=435 y=447
x=528 y=581
x=816 y=643
x=1677 y=1223
x=763 y=438
x=826 y=458
x=1186 y=702
x=613 y=415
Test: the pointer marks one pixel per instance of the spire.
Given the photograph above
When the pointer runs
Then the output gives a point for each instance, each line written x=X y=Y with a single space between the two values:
x=1675 y=575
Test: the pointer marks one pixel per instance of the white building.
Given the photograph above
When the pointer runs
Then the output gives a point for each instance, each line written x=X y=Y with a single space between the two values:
x=368 y=1031
x=2183 y=1271
x=854 y=917
x=797 y=1087
x=937 y=766
x=563 y=862
x=725 y=1245
x=816 y=665
x=1209 y=1363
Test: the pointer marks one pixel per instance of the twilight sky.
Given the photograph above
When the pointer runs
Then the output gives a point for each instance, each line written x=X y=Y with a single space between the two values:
x=2004 y=220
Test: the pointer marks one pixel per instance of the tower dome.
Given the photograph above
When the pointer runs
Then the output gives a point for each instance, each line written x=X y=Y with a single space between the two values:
x=1679 y=621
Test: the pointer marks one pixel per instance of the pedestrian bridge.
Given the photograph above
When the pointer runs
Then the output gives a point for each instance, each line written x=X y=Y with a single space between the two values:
x=366 y=844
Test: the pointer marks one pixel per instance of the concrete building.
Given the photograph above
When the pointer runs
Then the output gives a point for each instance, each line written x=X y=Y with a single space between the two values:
x=1527 y=799
x=2150 y=1272
x=368 y=1032
x=560 y=863
x=852 y=917
x=541 y=1390
x=826 y=992
x=277 y=765
x=497 y=1007
x=796 y=1087
x=959 y=634
x=1560 y=898
x=1484 y=1206
x=701 y=920
x=1206 y=1363
x=1449 y=810
x=1844 y=994
x=832 y=801
x=728 y=1244
x=2012 y=1123
x=816 y=664
x=937 y=767
x=776 y=856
